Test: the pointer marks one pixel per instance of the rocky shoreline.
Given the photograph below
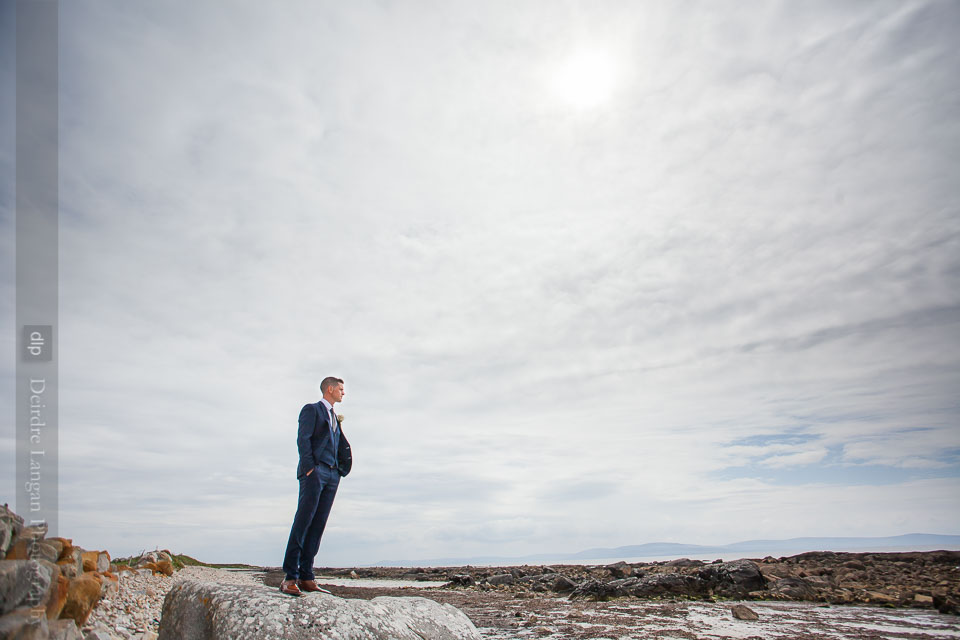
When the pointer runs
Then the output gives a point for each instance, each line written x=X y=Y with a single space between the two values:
x=851 y=596
x=509 y=612
x=922 y=580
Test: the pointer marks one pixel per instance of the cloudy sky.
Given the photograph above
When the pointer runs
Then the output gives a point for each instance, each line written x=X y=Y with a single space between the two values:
x=595 y=274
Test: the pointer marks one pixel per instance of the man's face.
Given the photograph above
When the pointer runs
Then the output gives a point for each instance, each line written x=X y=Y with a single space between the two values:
x=336 y=392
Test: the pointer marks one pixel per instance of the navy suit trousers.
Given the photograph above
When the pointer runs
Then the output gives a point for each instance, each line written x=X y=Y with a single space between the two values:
x=317 y=492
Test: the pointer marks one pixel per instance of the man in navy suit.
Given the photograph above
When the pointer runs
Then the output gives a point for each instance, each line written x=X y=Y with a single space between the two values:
x=325 y=456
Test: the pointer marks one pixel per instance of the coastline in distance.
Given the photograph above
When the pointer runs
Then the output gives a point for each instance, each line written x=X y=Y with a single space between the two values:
x=654 y=551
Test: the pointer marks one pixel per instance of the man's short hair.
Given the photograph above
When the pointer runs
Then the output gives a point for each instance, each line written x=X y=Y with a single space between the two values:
x=328 y=382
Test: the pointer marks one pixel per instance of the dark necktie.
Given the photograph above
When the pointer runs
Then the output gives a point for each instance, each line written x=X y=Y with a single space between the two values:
x=334 y=431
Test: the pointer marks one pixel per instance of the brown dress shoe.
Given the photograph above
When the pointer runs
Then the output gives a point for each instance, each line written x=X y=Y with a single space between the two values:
x=310 y=585
x=289 y=587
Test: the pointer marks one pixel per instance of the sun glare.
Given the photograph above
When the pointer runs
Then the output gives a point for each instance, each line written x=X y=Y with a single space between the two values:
x=586 y=79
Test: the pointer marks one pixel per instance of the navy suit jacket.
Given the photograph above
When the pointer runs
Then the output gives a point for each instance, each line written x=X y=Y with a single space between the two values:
x=313 y=436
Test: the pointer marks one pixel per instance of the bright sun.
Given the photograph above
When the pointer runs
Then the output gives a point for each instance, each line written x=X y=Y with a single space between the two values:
x=586 y=79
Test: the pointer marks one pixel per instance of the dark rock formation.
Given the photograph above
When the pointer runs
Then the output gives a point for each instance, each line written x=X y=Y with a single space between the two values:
x=620 y=570
x=462 y=580
x=733 y=579
x=928 y=580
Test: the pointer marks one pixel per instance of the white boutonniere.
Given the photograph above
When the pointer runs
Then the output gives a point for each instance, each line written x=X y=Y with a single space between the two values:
x=340 y=418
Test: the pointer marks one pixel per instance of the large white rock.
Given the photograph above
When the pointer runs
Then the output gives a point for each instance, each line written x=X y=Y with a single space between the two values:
x=209 y=611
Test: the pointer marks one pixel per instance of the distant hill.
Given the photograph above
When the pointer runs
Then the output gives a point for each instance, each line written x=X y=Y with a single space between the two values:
x=747 y=548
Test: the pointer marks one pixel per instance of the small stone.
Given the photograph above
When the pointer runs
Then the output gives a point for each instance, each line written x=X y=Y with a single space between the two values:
x=99 y=632
x=462 y=580
x=34 y=532
x=880 y=598
x=64 y=629
x=743 y=612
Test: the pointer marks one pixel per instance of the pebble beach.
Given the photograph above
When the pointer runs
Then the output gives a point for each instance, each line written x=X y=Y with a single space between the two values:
x=134 y=612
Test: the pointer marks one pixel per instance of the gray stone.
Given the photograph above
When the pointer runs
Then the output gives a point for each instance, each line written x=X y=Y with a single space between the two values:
x=655 y=585
x=102 y=632
x=501 y=578
x=563 y=584
x=620 y=570
x=57 y=545
x=596 y=589
x=54 y=571
x=24 y=624
x=792 y=589
x=211 y=611
x=34 y=532
x=685 y=562
x=6 y=538
x=10 y=526
x=743 y=612
x=667 y=584
x=64 y=629
x=46 y=551
x=461 y=580
x=72 y=565
x=23 y=583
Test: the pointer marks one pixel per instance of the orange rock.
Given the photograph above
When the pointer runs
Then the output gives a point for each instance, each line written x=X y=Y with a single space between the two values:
x=74 y=554
x=165 y=567
x=66 y=542
x=150 y=565
x=31 y=549
x=96 y=561
x=58 y=597
x=19 y=550
x=83 y=594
